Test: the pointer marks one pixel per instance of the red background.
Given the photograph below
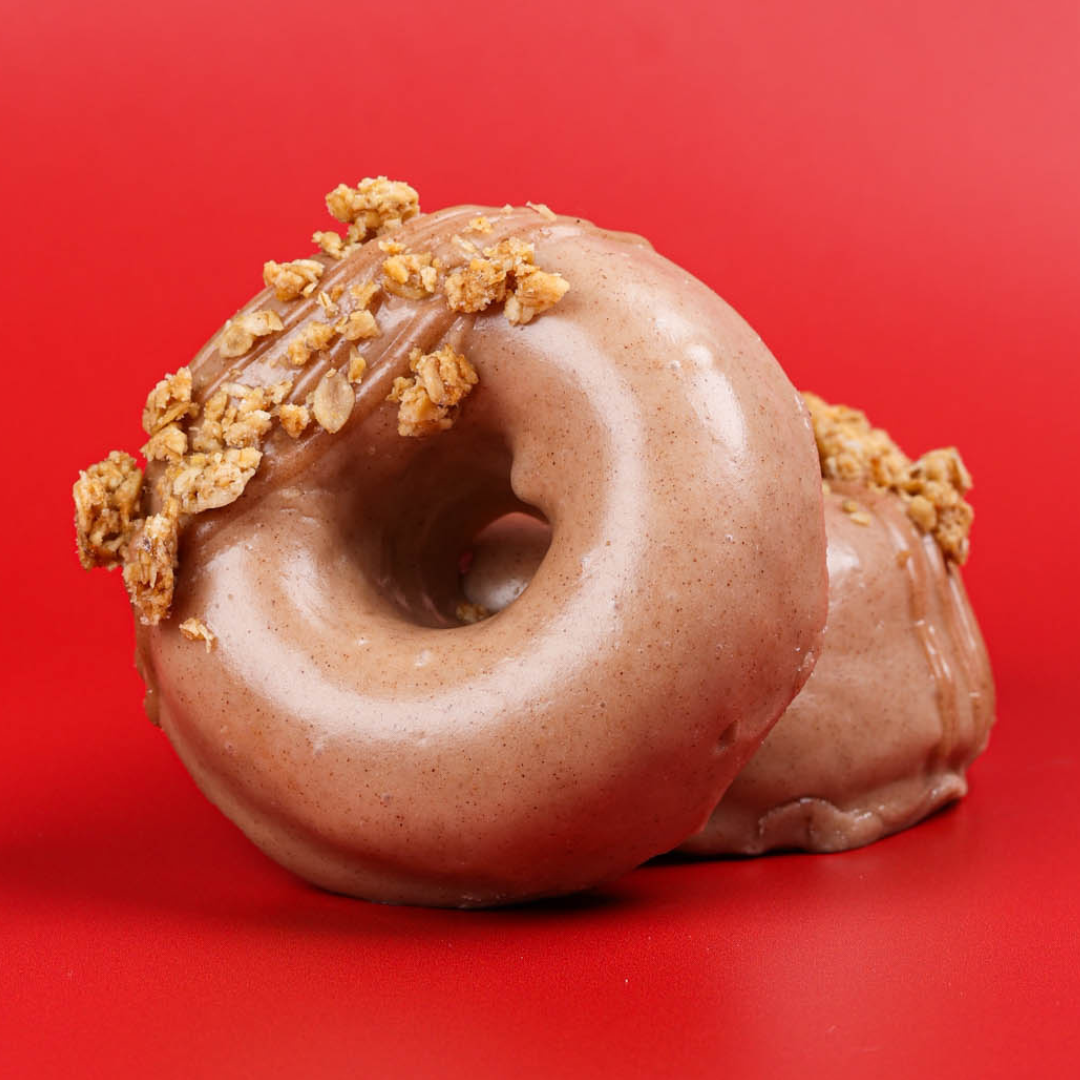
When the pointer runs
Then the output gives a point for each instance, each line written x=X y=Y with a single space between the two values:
x=889 y=192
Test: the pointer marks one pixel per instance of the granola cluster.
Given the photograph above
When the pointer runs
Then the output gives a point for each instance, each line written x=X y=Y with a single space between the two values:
x=505 y=274
x=206 y=452
x=292 y=279
x=374 y=207
x=240 y=333
x=429 y=401
x=107 y=497
x=206 y=466
x=932 y=488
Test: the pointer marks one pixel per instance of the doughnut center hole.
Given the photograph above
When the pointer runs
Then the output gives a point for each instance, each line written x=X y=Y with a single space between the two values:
x=453 y=544
x=497 y=566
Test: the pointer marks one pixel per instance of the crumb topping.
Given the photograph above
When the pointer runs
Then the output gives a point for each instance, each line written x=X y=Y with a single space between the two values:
x=363 y=294
x=197 y=630
x=851 y=449
x=508 y=275
x=429 y=401
x=168 y=444
x=413 y=275
x=294 y=419
x=542 y=209
x=333 y=244
x=292 y=279
x=936 y=485
x=202 y=482
x=357 y=326
x=170 y=400
x=533 y=294
x=106 y=508
x=357 y=365
x=313 y=338
x=333 y=402
x=208 y=452
x=238 y=416
x=150 y=567
x=855 y=512
x=376 y=205
x=932 y=488
x=240 y=333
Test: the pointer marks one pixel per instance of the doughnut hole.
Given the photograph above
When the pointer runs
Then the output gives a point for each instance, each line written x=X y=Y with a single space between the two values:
x=502 y=559
x=450 y=504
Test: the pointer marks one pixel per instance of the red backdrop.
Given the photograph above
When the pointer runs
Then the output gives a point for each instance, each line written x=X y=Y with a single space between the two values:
x=887 y=191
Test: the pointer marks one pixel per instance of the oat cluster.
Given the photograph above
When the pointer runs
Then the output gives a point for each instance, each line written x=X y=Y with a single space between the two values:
x=506 y=274
x=207 y=451
x=429 y=401
x=374 y=207
x=932 y=488
x=107 y=498
x=292 y=279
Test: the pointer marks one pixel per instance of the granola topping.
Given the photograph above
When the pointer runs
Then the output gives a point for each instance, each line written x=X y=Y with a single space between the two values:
x=363 y=294
x=429 y=401
x=170 y=400
x=168 y=444
x=855 y=512
x=208 y=481
x=240 y=333
x=932 y=488
x=507 y=274
x=936 y=485
x=106 y=509
x=197 y=630
x=150 y=567
x=238 y=416
x=294 y=419
x=543 y=210
x=292 y=279
x=357 y=326
x=314 y=337
x=207 y=452
x=412 y=276
x=357 y=365
x=333 y=402
x=333 y=244
x=375 y=206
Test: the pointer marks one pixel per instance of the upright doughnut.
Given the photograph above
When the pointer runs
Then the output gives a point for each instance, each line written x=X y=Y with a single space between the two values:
x=345 y=712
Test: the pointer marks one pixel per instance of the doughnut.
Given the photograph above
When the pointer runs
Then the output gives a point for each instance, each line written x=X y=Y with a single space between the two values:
x=902 y=698
x=296 y=549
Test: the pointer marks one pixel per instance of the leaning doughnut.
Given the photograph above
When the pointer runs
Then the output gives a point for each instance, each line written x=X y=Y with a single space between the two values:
x=902 y=699
x=345 y=713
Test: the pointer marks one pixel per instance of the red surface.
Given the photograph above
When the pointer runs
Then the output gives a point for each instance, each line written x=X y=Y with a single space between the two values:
x=887 y=191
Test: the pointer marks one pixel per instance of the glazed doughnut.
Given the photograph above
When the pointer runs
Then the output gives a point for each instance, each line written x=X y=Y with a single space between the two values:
x=902 y=698
x=305 y=639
